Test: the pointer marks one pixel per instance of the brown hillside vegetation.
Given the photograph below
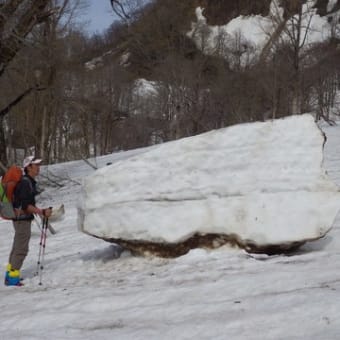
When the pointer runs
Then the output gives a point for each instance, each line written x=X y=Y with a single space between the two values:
x=84 y=98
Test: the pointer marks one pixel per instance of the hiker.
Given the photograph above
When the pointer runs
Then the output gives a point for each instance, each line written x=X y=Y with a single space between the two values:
x=24 y=206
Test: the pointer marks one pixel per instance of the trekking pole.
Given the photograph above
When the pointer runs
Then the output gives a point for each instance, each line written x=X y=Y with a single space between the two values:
x=49 y=227
x=42 y=249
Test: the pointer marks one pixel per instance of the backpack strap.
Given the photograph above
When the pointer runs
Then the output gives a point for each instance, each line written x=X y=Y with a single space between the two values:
x=20 y=213
x=3 y=187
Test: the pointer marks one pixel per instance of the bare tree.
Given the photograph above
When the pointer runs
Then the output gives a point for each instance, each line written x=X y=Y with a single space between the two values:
x=38 y=65
x=127 y=9
x=52 y=57
x=291 y=29
x=17 y=19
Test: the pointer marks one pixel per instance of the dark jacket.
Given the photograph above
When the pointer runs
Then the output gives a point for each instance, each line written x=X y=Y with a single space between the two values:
x=24 y=195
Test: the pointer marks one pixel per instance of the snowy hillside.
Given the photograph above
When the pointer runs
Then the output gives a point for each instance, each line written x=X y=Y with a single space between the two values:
x=255 y=30
x=90 y=292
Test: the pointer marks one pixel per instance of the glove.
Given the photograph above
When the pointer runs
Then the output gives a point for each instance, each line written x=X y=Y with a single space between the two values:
x=47 y=212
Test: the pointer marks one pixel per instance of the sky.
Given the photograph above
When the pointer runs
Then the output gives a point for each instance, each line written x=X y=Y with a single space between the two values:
x=91 y=289
x=99 y=16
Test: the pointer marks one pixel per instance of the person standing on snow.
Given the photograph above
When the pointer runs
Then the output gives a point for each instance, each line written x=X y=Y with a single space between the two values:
x=24 y=206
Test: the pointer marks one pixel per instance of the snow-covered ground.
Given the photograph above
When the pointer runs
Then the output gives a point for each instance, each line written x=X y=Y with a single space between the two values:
x=90 y=292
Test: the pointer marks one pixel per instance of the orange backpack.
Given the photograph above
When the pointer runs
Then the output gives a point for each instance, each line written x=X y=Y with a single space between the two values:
x=8 y=183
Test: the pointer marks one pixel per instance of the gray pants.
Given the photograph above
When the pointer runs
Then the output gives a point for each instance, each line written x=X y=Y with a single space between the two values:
x=20 y=243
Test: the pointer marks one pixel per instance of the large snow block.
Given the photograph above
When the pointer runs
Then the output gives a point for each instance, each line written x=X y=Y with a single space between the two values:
x=259 y=185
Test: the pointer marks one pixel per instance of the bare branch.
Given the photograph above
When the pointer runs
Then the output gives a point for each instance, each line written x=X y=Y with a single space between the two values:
x=119 y=10
x=7 y=10
x=12 y=43
x=17 y=100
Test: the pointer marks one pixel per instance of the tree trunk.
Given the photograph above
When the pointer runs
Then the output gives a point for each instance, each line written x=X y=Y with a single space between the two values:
x=3 y=154
x=43 y=133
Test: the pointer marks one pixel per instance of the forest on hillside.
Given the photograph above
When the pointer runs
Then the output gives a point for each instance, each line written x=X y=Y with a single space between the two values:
x=65 y=95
